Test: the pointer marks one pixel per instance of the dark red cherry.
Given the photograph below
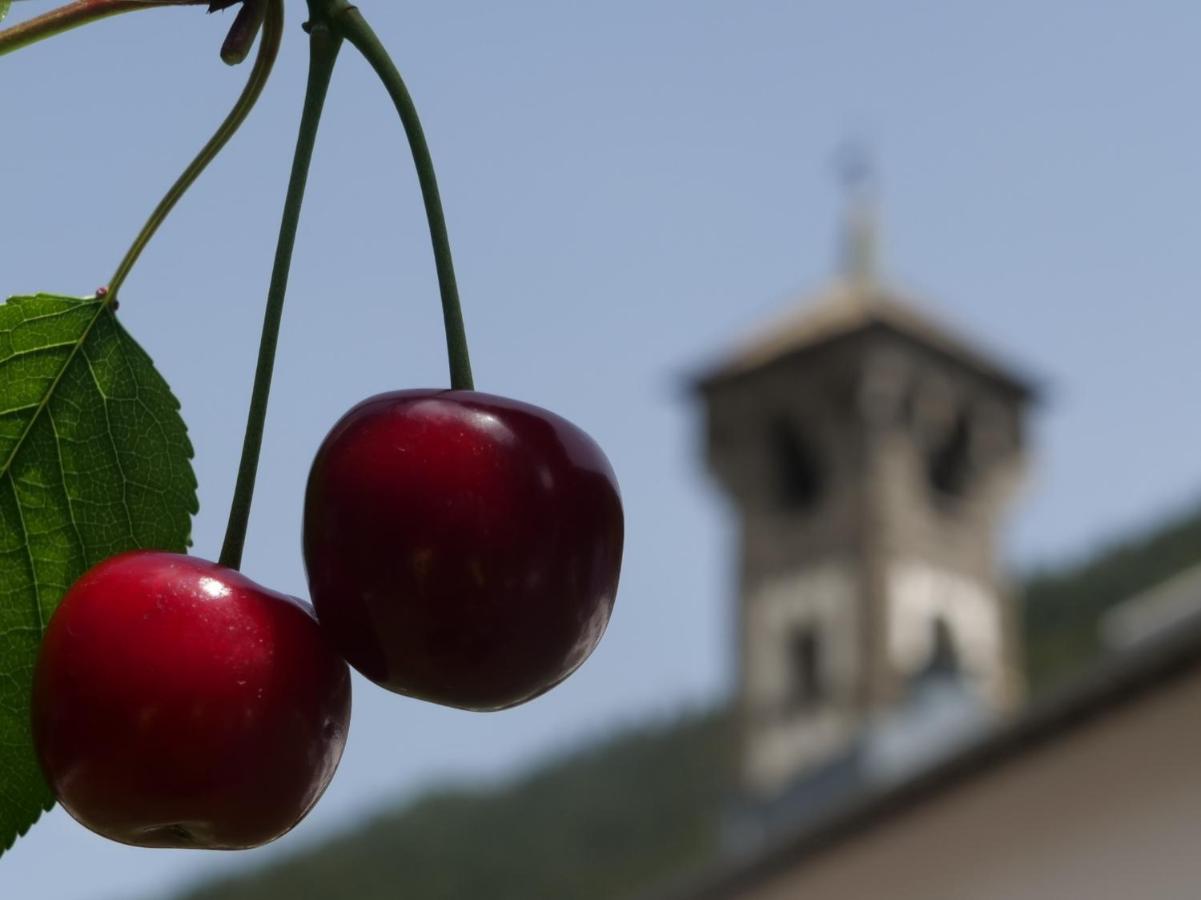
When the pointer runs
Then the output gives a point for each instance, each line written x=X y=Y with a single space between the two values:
x=176 y=703
x=461 y=547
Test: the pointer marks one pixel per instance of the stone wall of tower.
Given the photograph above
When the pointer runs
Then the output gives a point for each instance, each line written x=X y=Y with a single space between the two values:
x=796 y=566
x=933 y=548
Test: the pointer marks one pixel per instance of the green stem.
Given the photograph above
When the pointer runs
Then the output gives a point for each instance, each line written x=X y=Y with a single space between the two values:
x=72 y=16
x=324 y=46
x=350 y=23
x=273 y=29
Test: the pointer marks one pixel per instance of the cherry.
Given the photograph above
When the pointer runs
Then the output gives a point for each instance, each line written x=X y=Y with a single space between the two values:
x=462 y=548
x=176 y=703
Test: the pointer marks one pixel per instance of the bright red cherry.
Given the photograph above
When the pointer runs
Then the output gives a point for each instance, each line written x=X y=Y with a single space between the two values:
x=462 y=548
x=176 y=703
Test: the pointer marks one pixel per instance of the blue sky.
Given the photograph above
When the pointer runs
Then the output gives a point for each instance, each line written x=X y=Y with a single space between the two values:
x=629 y=186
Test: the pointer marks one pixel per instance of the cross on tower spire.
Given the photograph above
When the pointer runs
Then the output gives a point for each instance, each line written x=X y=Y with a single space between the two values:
x=856 y=171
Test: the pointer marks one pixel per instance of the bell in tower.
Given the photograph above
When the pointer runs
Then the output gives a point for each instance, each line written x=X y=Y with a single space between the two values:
x=869 y=454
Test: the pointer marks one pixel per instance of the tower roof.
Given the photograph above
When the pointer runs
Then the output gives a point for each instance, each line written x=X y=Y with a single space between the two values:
x=859 y=301
x=853 y=304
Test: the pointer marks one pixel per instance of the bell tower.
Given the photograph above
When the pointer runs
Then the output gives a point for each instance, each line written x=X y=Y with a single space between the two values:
x=870 y=455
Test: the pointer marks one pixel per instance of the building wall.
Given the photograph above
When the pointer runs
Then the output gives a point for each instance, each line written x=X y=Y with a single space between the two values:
x=1108 y=811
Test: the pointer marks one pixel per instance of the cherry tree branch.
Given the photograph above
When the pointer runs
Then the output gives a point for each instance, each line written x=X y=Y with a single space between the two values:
x=73 y=15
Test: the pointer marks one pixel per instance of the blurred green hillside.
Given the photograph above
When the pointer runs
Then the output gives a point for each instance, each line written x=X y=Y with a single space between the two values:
x=592 y=825
x=1062 y=608
x=611 y=820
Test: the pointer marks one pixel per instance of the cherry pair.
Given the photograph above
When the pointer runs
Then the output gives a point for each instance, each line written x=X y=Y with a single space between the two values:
x=461 y=548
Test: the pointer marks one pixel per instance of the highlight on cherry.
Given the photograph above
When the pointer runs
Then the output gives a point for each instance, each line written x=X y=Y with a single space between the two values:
x=461 y=548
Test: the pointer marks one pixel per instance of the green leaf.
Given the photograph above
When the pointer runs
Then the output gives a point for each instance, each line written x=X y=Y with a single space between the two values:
x=5 y=6
x=94 y=460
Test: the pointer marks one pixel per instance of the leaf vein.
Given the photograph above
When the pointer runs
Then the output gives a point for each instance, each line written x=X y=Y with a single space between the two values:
x=62 y=470
x=7 y=466
x=33 y=570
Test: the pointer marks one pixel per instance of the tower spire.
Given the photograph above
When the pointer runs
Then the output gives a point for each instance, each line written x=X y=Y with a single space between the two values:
x=857 y=174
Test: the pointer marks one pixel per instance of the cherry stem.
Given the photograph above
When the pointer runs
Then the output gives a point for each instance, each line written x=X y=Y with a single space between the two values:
x=351 y=25
x=273 y=29
x=324 y=45
x=73 y=15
